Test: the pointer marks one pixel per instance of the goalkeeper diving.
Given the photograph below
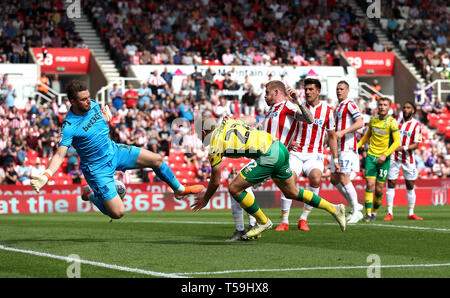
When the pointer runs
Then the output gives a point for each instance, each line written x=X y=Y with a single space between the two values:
x=86 y=128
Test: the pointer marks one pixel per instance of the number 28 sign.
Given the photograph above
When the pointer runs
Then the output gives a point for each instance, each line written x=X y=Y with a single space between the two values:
x=63 y=60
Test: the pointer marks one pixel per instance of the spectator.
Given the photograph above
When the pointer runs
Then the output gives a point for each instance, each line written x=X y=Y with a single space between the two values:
x=2 y=176
x=9 y=96
x=186 y=110
x=42 y=87
x=190 y=159
x=222 y=109
x=204 y=170
x=198 y=80
x=188 y=83
x=205 y=108
x=20 y=146
x=116 y=96
x=9 y=154
x=437 y=106
x=248 y=101
x=157 y=116
x=157 y=83
x=164 y=139
x=131 y=97
x=23 y=173
x=45 y=141
x=76 y=174
x=11 y=176
x=167 y=76
x=227 y=57
x=144 y=95
x=426 y=108
x=72 y=159
x=377 y=87
x=209 y=81
x=56 y=84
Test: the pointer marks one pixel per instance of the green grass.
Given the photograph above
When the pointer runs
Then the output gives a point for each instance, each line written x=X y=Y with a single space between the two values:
x=186 y=243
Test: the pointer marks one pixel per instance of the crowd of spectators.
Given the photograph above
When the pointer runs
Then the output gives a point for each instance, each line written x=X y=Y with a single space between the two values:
x=156 y=124
x=238 y=32
x=31 y=23
x=421 y=29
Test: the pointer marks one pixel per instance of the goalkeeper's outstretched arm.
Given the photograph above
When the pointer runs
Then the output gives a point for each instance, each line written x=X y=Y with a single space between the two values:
x=38 y=181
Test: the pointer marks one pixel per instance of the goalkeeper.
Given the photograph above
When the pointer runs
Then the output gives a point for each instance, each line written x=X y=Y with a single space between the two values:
x=86 y=128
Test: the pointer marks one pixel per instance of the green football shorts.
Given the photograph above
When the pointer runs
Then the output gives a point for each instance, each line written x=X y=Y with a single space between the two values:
x=376 y=171
x=274 y=164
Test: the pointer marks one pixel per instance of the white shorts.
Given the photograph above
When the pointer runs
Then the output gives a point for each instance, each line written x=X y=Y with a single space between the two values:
x=409 y=170
x=349 y=162
x=305 y=162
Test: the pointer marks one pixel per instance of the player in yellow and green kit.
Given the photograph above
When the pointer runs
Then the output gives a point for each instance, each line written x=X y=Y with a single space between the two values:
x=270 y=158
x=384 y=139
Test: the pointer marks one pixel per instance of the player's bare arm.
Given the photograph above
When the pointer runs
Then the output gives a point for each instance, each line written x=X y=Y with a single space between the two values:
x=214 y=182
x=413 y=146
x=332 y=142
x=39 y=181
x=306 y=115
x=57 y=159
x=358 y=124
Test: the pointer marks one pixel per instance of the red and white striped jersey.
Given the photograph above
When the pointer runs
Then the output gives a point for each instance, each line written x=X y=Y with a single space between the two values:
x=410 y=132
x=311 y=136
x=346 y=114
x=280 y=122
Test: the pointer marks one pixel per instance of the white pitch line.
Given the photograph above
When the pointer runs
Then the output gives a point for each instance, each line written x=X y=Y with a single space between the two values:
x=314 y=224
x=309 y=269
x=97 y=264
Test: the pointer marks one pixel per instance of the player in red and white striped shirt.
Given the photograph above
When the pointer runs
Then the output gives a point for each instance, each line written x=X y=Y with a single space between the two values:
x=306 y=153
x=411 y=136
x=348 y=121
x=281 y=121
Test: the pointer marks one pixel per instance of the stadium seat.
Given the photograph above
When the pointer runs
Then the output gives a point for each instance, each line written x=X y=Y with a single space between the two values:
x=442 y=126
x=447 y=132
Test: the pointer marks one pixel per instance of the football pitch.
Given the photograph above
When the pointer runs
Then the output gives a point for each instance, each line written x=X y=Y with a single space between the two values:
x=186 y=244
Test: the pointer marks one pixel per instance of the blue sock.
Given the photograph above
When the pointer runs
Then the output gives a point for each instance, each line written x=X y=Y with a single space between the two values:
x=98 y=203
x=166 y=175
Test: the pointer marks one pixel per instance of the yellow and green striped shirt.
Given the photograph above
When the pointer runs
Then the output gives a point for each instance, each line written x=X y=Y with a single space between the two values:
x=234 y=139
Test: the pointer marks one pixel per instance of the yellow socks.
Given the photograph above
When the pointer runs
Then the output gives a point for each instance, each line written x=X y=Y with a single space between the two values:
x=314 y=200
x=248 y=203
x=368 y=200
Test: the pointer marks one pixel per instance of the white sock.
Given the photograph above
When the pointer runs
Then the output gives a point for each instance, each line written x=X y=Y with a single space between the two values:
x=180 y=189
x=307 y=208
x=411 y=196
x=285 y=208
x=238 y=215
x=343 y=192
x=352 y=196
x=390 y=194
x=251 y=219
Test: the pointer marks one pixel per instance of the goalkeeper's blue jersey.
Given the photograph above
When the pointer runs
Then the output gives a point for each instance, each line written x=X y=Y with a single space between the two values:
x=89 y=135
